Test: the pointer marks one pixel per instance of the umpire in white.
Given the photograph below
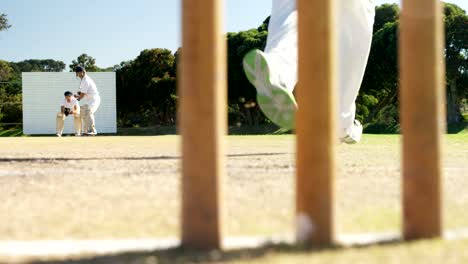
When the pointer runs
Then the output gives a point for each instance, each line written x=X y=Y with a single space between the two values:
x=89 y=101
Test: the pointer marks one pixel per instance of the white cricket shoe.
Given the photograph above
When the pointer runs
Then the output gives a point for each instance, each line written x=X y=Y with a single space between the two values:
x=275 y=101
x=58 y=135
x=354 y=134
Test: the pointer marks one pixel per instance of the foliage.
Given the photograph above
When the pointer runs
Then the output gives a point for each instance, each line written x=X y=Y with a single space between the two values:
x=386 y=121
x=10 y=107
x=243 y=108
x=380 y=85
x=38 y=66
x=86 y=61
x=386 y=13
x=10 y=97
x=381 y=80
x=456 y=53
x=6 y=71
x=4 y=22
x=146 y=89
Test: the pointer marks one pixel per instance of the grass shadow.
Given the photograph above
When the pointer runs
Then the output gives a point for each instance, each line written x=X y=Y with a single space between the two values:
x=269 y=129
x=57 y=159
x=457 y=128
x=180 y=255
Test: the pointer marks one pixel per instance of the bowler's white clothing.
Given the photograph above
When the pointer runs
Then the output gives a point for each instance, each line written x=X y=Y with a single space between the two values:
x=355 y=25
x=93 y=100
x=92 y=97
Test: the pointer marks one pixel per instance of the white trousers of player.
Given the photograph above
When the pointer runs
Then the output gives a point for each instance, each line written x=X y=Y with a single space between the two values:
x=88 y=110
x=355 y=24
x=60 y=123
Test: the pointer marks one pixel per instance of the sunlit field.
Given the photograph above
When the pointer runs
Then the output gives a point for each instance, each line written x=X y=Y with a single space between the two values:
x=128 y=187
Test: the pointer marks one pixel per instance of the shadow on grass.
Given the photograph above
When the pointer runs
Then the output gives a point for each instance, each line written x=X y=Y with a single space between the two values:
x=454 y=128
x=180 y=255
x=457 y=128
x=269 y=129
x=32 y=160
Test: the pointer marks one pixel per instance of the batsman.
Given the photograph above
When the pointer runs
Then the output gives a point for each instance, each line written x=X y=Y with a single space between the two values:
x=90 y=100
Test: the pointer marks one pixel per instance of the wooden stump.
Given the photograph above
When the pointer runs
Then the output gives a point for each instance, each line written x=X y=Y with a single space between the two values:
x=202 y=116
x=422 y=116
x=316 y=118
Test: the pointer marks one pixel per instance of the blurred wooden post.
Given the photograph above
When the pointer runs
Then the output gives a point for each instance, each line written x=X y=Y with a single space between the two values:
x=422 y=116
x=316 y=132
x=202 y=90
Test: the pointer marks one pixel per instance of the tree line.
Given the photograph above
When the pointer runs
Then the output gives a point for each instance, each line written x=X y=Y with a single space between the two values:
x=146 y=86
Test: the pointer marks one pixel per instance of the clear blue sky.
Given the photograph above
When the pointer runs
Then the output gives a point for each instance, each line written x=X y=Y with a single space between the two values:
x=109 y=30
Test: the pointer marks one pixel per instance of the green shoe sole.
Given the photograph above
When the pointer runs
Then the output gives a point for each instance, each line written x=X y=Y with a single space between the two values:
x=276 y=102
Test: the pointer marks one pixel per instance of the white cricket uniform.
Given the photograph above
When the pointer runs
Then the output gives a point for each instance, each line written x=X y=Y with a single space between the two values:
x=73 y=102
x=355 y=25
x=60 y=119
x=92 y=100
x=92 y=97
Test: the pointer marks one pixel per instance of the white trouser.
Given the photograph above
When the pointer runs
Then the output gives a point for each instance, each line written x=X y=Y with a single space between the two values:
x=60 y=123
x=355 y=24
x=88 y=110
x=94 y=103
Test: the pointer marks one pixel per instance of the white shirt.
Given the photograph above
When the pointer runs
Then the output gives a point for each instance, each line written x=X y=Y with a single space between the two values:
x=88 y=87
x=73 y=102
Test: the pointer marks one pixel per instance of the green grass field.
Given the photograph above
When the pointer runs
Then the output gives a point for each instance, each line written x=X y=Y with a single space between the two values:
x=128 y=187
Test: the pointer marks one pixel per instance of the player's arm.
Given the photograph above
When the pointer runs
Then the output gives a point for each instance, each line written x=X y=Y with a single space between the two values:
x=83 y=90
x=62 y=109
x=81 y=95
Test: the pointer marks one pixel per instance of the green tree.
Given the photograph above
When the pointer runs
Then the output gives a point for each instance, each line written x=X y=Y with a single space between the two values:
x=379 y=89
x=86 y=61
x=452 y=10
x=10 y=96
x=378 y=96
x=146 y=89
x=6 y=71
x=10 y=78
x=456 y=54
x=386 y=13
x=243 y=108
x=48 y=65
x=378 y=99
x=10 y=107
x=4 y=22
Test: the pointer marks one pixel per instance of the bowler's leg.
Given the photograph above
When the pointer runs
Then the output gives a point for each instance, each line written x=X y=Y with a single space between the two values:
x=92 y=122
x=356 y=21
x=92 y=108
x=274 y=72
x=281 y=49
